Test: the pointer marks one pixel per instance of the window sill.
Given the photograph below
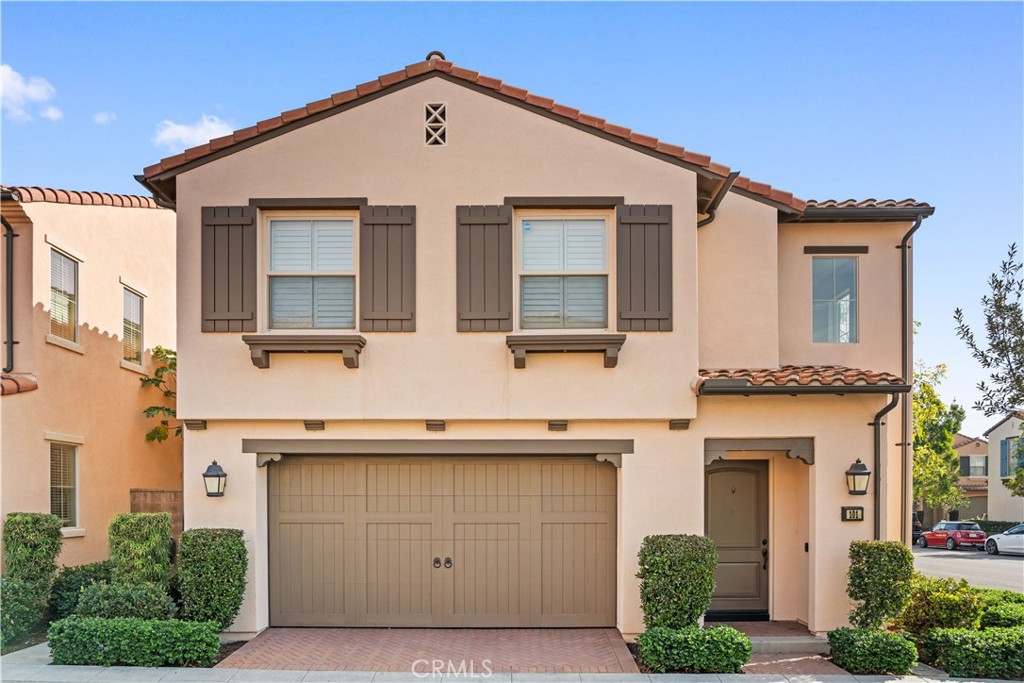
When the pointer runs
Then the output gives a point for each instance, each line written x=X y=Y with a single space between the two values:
x=262 y=345
x=607 y=344
x=65 y=344
x=72 y=532
x=133 y=367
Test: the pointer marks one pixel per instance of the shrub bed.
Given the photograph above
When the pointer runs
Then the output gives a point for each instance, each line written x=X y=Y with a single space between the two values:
x=31 y=545
x=133 y=642
x=677 y=578
x=144 y=601
x=940 y=603
x=720 y=649
x=211 y=574
x=69 y=583
x=24 y=605
x=872 y=651
x=140 y=548
x=994 y=596
x=992 y=653
x=993 y=526
x=1006 y=614
x=880 y=577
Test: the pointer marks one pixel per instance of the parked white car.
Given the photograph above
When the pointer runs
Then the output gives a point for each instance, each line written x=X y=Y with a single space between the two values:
x=1010 y=541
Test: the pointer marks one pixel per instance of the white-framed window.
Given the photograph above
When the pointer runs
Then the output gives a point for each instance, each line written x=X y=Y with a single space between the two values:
x=311 y=273
x=979 y=465
x=63 y=296
x=834 y=295
x=131 y=337
x=563 y=272
x=64 y=483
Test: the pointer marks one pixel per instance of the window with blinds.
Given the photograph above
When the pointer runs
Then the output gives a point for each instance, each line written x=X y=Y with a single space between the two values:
x=312 y=274
x=834 y=291
x=131 y=338
x=563 y=273
x=63 y=296
x=63 y=483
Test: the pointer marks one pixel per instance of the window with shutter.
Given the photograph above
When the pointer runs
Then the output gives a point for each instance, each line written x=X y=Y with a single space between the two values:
x=63 y=296
x=64 y=483
x=131 y=337
x=643 y=282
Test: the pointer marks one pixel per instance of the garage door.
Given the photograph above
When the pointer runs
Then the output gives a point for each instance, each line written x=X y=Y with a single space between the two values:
x=461 y=541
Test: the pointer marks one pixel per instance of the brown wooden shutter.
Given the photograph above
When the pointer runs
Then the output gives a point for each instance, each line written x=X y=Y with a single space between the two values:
x=387 y=269
x=484 y=268
x=229 y=269
x=644 y=264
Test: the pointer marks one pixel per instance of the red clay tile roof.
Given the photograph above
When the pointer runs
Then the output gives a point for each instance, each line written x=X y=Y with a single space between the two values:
x=973 y=487
x=17 y=384
x=866 y=204
x=803 y=375
x=56 y=196
x=511 y=92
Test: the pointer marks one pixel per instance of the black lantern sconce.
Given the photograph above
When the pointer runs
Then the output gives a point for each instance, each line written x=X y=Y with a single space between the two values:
x=215 y=479
x=857 y=478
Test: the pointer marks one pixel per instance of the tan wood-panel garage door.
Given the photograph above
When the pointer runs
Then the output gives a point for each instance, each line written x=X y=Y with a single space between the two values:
x=461 y=541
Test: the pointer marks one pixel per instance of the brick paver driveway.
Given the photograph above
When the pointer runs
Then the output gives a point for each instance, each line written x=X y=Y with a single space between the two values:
x=591 y=650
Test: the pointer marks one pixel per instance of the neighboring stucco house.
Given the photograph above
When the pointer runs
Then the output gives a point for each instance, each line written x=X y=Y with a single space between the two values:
x=1005 y=457
x=460 y=348
x=88 y=291
x=973 y=453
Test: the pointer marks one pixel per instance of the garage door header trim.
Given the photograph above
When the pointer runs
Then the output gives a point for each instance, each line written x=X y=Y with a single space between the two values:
x=437 y=446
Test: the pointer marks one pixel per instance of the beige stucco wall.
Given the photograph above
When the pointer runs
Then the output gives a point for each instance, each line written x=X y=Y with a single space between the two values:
x=1001 y=505
x=86 y=394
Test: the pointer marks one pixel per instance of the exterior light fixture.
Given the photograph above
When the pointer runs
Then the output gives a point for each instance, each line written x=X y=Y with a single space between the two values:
x=215 y=479
x=857 y=478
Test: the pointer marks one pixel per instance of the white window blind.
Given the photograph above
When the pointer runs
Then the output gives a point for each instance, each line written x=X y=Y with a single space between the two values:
x=312 y=282
x=834 y=293
x=551 y=246
x=63 y=483
x=131 y=338
x=63 y=296
x=552 y=298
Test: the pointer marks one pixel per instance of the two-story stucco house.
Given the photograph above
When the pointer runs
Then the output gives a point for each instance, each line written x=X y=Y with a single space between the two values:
x=460 y=348
x=1005 y=457
x=87 y=293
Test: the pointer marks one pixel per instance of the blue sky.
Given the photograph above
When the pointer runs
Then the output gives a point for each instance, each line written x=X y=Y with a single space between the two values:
x=825 y=100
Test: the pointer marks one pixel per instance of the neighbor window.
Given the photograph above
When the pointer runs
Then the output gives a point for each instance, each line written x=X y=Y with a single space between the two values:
x=64 y=483
x=63 y=296
x=1011 y=456
x=131 y=338
x=835 y=300
x=563 y=273
x=312 y=274
x=979 y=465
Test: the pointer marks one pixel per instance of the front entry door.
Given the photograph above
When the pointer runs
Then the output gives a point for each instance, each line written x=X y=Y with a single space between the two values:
x=736 y=518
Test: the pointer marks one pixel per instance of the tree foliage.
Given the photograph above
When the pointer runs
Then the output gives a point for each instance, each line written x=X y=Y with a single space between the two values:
x=936 y=464
x=1003 y=354
x=164 y=379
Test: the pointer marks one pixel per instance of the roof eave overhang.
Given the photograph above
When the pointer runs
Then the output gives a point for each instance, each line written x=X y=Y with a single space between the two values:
x=709 y=389
x=857 y=214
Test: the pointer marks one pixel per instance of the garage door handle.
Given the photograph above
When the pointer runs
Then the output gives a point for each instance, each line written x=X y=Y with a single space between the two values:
x=437 y=563
x=447 y=563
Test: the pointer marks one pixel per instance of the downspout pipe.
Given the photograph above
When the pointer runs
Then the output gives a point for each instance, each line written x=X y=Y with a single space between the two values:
x=907 y=367
x=9 y=341
x=717 y=199
x=877 y=425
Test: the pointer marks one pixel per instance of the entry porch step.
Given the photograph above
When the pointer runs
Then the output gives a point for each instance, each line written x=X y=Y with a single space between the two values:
x=789 y=644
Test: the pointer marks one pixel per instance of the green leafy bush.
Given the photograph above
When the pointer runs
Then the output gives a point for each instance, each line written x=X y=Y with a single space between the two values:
x=992 y=653
x=211 y=574
x=140 y=548
x=720 y=649
x=31 y=545
x=69 y=583
x=677 y=578
x=940 y=603
x=142 y=601
x=880 y=577
x=24 y=604
x=994 y=596
x=872 y=651
x=994 y=526
x=133 y=642
x=1007 y=614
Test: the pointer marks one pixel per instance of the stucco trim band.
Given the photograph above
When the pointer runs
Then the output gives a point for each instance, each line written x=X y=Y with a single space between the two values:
x=718 y=449
x=437 y=446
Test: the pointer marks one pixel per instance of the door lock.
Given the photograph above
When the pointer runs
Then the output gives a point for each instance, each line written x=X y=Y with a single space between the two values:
x=447 y=563
x=437 y=563
x=764 y=554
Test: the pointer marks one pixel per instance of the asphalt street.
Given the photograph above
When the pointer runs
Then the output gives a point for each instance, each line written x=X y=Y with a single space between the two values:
x=979 y=568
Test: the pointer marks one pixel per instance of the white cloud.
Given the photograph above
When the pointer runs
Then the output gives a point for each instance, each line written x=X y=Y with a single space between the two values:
x=18 y=94
x=103 y=117
x=52 y=113
x=175 y=136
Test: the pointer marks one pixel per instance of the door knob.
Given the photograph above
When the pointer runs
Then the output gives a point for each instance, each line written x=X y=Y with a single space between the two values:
x=447 y=563
x=764 y=554
x=437 y=563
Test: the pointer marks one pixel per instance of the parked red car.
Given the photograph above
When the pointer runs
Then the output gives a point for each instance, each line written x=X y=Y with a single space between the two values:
x=952 y=535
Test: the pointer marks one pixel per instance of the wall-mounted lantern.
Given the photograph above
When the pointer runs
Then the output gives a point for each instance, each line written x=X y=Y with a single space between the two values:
x=215 y=479
x=857 y=478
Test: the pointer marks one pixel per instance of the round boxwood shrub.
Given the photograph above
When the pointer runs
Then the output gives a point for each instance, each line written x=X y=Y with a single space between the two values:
x=880 y=577
x=69 y=583
x=1006 y=614
x=872 y=651
x=966 y=653
x=24 y=604
x=140 y=548
x=721 y=649
x=31 y=545
x=677 y=578
x=212 y=564
x=940 y=603
x=142 y=601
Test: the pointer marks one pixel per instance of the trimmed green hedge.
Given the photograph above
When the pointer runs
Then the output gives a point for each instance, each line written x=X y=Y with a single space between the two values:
x=143 y=601
x=992 y=653
x=133 y=642
x=993 y=526
x=1007 y=614
x=140 y=548
x=940 y=603
x=879 y=577
x=677 y=578
x=31 y=545
x=720 y=649
x=871 y=651
x=994 y=596
x=211 y=574
x=24 y=605
x=69 y=583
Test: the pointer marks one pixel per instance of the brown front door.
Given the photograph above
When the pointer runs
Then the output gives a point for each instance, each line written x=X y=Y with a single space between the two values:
x=736 y=518
x=414 y=541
